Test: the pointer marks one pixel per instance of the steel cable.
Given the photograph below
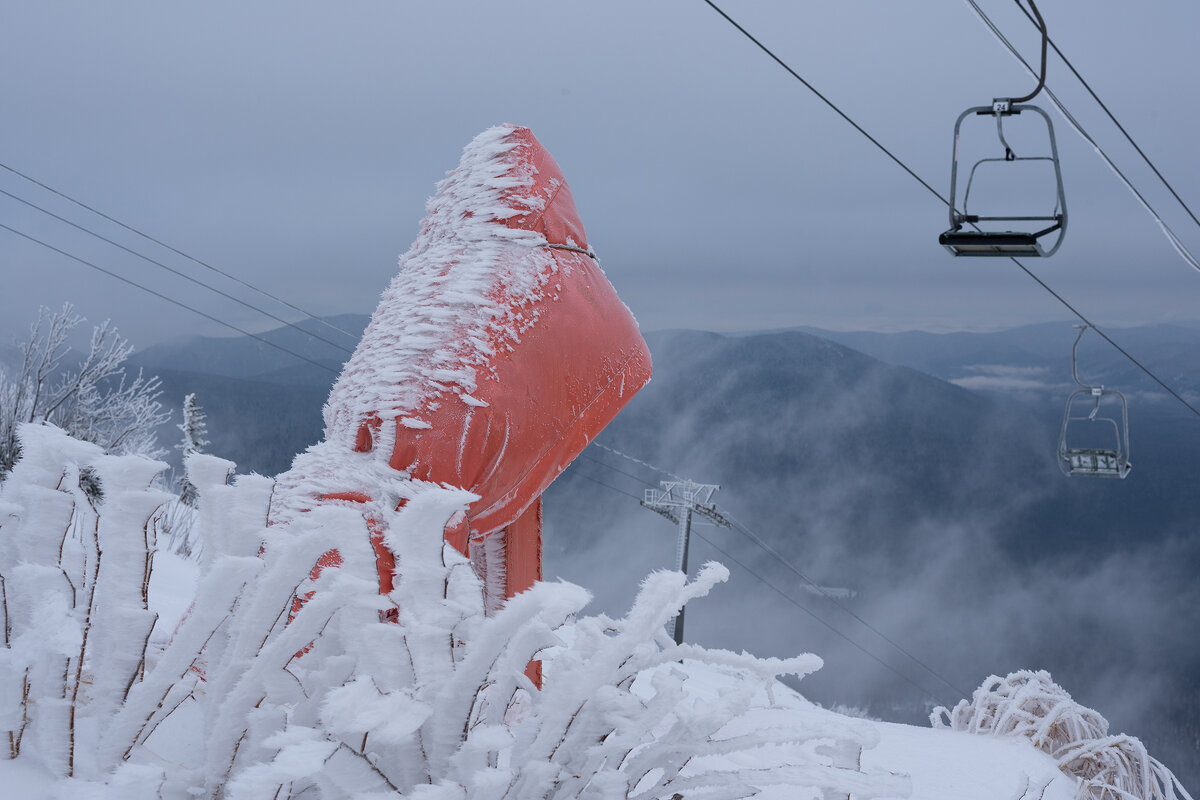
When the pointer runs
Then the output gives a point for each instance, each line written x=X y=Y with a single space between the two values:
x=173 y=271
x=1120 y=127
x=946 y=202
x=1175 y=241
x=163 y=244
x=761 y=579
x=162 y=296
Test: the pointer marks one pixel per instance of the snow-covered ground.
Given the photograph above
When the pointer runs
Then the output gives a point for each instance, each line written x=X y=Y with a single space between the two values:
x=940 y=764
x=944 y=764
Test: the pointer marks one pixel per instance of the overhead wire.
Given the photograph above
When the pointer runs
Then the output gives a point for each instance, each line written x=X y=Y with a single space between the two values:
x=923 y=690
x=586 y=457
x=606 y=485
x=162 y=296
x=818 y=589
x=946 y=202
x=827 y=101
x=1109 y=339
x=178 y=252
x=740 y=527
x=638 y=461
x=1170 y=234
x=173 y=271
x=750 y=534
x=1104 y=107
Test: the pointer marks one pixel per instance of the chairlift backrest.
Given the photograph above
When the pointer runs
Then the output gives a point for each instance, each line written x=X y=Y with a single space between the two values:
x=986 y=239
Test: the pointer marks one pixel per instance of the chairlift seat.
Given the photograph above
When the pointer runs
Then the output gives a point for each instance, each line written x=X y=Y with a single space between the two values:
x=1095 y=462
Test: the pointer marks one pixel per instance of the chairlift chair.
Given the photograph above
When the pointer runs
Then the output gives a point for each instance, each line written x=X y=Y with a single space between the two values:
x=1095 y=462
x=983 y=241
x=1002 y=243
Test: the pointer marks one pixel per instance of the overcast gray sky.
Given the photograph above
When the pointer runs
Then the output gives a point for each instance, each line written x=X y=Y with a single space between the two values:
x=293 y=144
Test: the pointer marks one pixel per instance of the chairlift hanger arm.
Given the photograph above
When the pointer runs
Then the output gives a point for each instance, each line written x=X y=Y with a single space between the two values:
x=1045 y=38
x=1075 y=360
x=1007 y=106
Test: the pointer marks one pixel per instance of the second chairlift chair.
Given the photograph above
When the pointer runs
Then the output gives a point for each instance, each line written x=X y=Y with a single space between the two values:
x=1095 y=460
x=985 y=242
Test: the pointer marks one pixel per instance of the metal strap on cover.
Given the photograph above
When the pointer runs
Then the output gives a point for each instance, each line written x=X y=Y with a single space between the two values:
x=571 y=248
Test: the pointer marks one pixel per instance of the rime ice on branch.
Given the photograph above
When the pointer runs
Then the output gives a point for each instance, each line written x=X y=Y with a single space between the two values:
x=1030 y=704
x=91 y=398
x=74 y=577
x=194 y=429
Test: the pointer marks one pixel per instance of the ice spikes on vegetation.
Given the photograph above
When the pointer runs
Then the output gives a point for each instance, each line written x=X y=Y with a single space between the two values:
x=74 y=575
x=1030 y=704
x=282 y=681
x=444 y=315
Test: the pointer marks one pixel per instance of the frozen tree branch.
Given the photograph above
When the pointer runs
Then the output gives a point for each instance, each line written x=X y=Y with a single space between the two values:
x=93 y=400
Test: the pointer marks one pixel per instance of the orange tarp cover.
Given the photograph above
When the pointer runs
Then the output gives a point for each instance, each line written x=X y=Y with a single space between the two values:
x=546 y=359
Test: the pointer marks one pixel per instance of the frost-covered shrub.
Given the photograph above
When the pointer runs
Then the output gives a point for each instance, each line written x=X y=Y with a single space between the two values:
x=438 y=705
x=1030 y=704
x=282 y=682
x=74 y=576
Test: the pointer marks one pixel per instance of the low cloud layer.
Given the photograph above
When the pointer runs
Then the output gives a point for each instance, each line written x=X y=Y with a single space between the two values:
x=1002 y=378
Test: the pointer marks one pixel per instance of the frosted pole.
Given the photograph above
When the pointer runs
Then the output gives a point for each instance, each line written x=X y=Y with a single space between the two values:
x=681 y=564
x=677 y=500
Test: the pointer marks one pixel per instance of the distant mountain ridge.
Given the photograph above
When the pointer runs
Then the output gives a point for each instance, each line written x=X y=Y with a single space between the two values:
x=1172 y=352
x=246 y=357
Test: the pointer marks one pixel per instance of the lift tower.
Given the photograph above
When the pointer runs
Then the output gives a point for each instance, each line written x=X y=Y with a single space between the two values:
x=678 y=501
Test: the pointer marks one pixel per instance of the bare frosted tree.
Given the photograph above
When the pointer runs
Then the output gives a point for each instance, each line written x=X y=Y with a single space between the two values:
x=92 y=399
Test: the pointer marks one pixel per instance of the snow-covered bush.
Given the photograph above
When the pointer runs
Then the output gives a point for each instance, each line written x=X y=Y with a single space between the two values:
x=439 y=706
x=1030 y=704
x=74 y=578
x=282 y=681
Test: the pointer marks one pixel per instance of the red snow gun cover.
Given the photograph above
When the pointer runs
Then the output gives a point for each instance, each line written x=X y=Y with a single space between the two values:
x=501 y=349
